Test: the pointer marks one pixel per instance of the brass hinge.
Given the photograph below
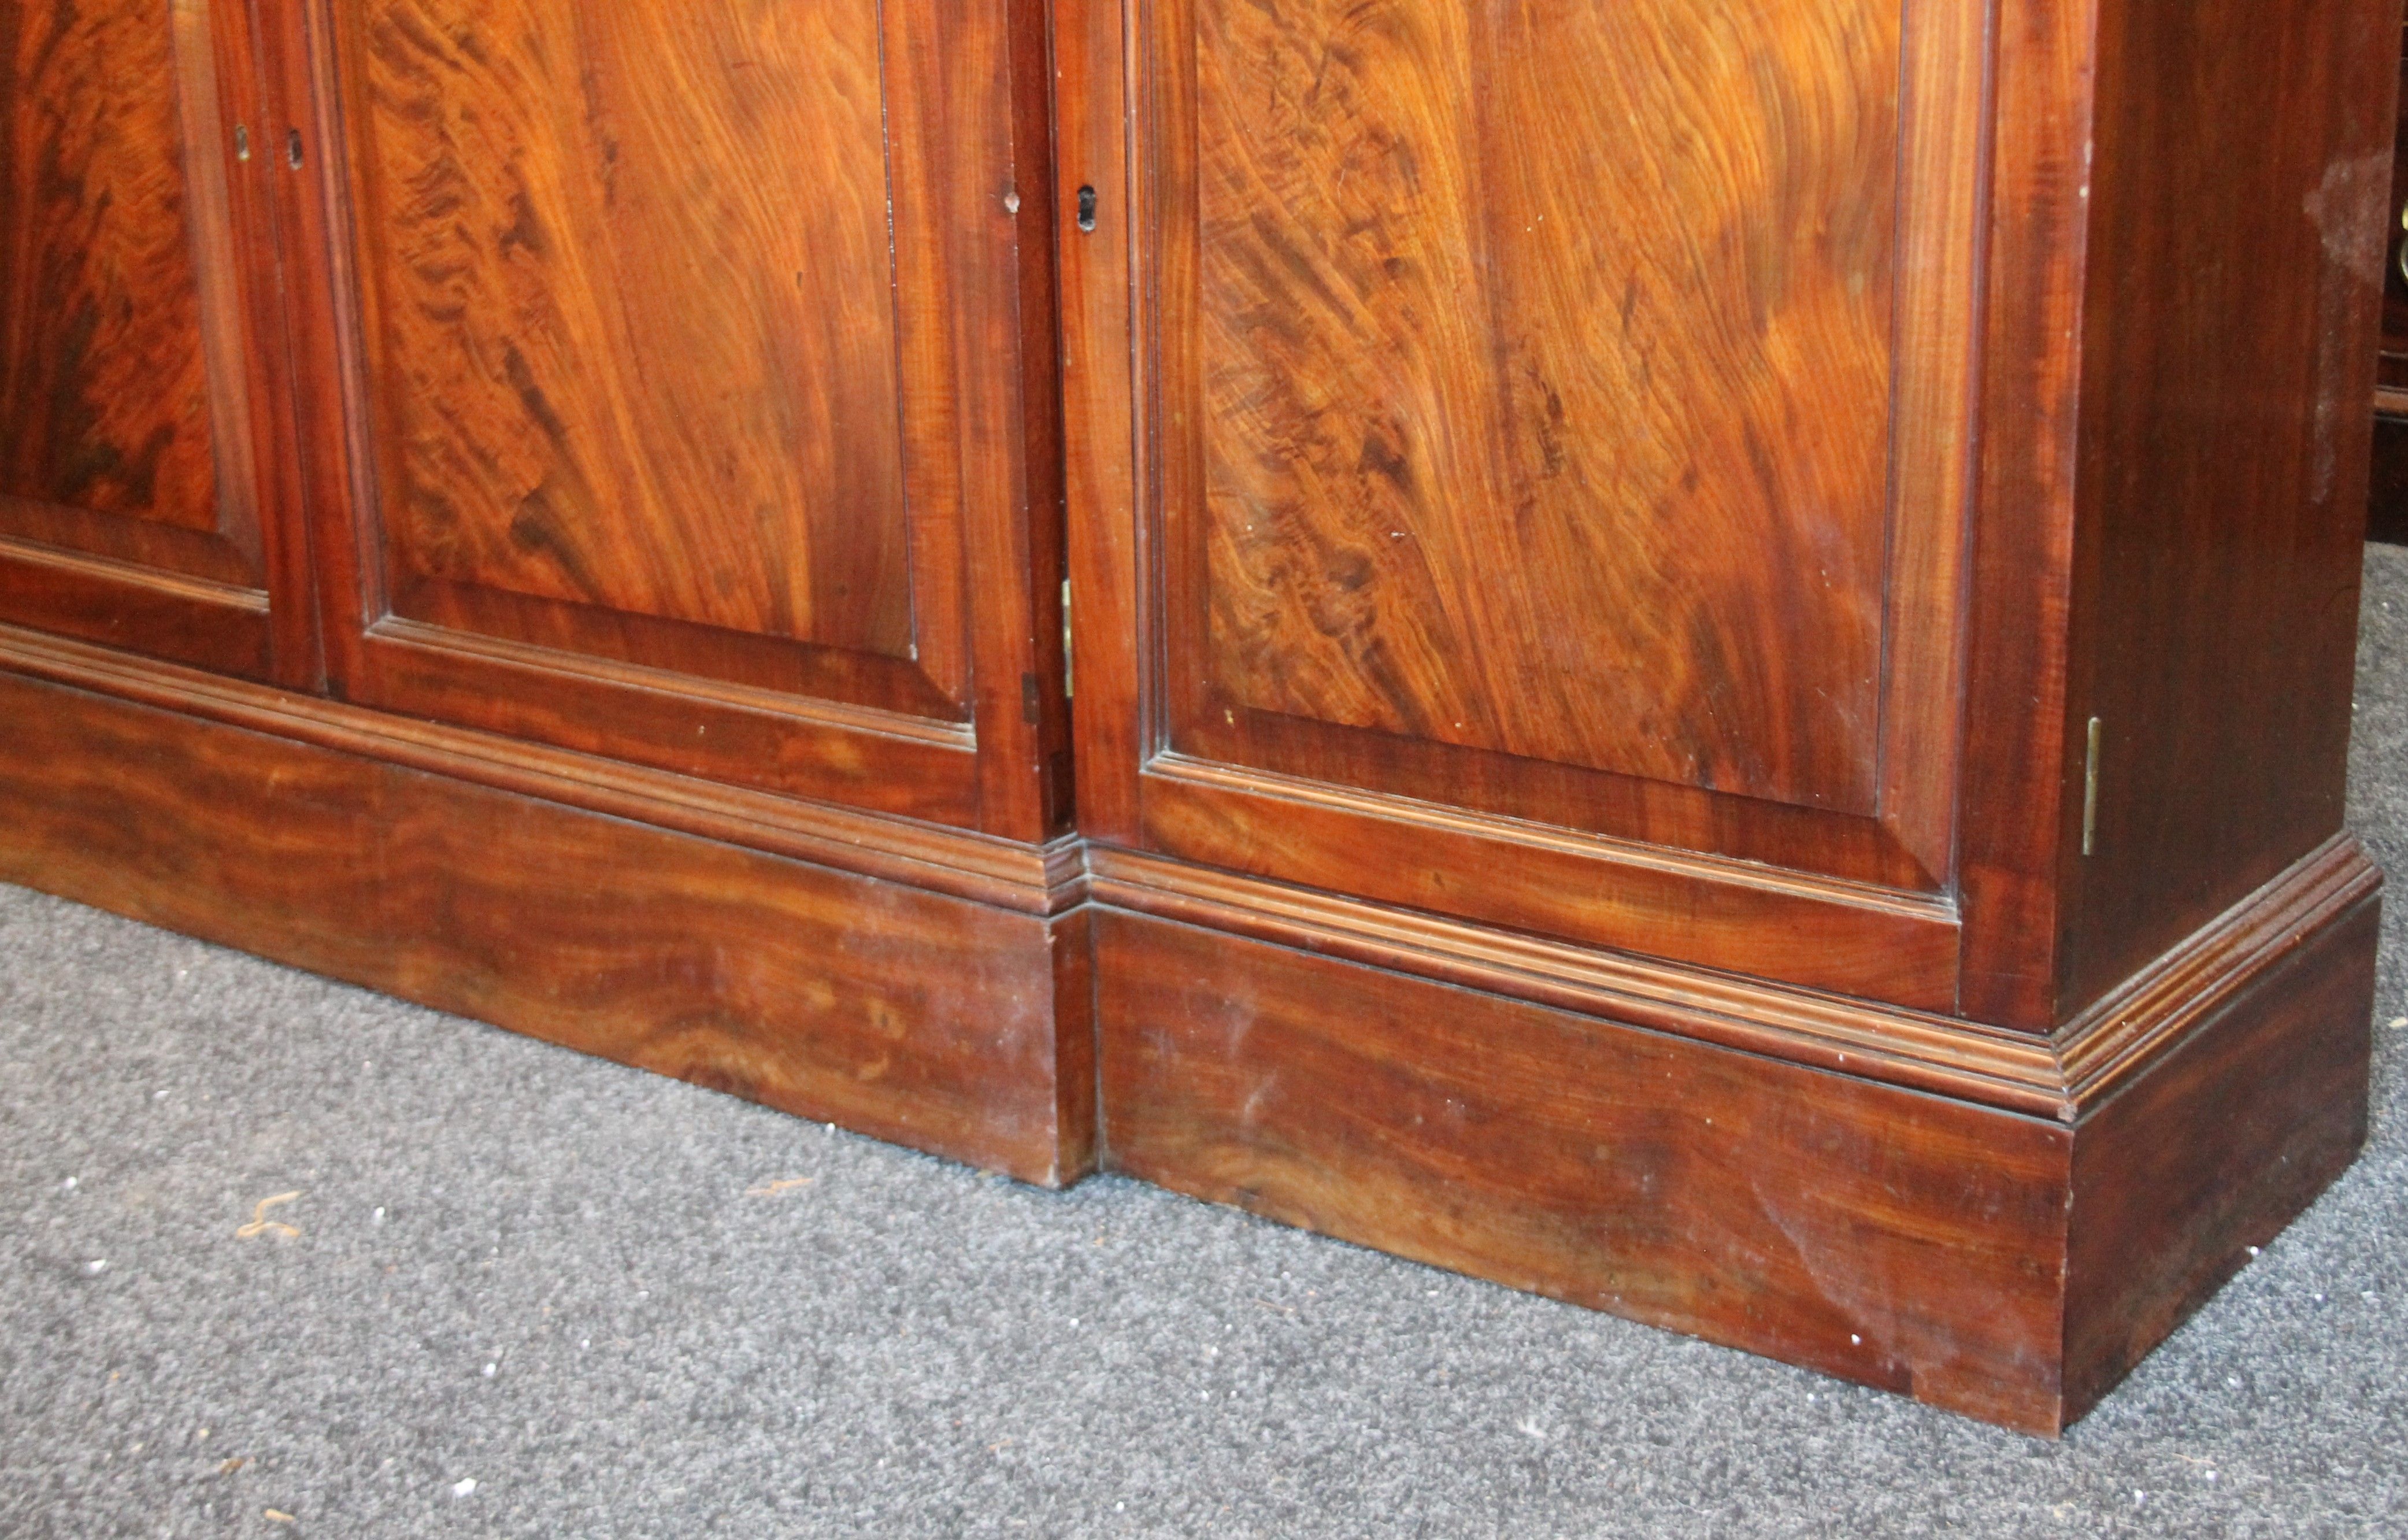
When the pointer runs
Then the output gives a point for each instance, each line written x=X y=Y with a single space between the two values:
x=1065 y=639
x=2090 y=795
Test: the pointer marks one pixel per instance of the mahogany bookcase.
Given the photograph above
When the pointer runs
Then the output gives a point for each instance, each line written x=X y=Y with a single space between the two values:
x=1693 y=656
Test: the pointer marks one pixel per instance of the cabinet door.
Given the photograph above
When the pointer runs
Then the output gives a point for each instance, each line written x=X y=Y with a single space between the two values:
x=1519 y=458
x=674 y=351
x=138 y=343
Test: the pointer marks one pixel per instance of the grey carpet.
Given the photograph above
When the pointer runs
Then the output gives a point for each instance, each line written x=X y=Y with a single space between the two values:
x=580 y=1290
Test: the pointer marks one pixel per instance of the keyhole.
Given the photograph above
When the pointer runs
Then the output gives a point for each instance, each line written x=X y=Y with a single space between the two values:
x=1086 y=207
x=293 y=147
x=242 y=142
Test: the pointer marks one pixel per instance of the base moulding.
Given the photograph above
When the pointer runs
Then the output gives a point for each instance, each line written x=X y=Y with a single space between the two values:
x=1993 y=1222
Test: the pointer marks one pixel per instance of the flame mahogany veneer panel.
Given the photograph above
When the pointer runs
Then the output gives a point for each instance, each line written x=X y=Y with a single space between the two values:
x=1544 y=386
x=631 y=314
x=104 y=386
x=1541 y=462
x=137 y=340
x=676 y=390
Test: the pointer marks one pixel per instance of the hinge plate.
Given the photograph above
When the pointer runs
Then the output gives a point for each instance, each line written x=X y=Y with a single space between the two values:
x=2090 y=794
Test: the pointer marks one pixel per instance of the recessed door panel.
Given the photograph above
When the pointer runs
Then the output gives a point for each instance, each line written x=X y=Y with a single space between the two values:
x=131 y=503
x=1541 y=359
x=682 y=356
x=1544 y=440
x=633 y=310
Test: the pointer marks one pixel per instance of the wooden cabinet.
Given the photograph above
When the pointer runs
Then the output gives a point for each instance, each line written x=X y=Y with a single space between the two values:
x=627 y=436
x=1713 y=641
x=1624 y=554
x=1576 y=503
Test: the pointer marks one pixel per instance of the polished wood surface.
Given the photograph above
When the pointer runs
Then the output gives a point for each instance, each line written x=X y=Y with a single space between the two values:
x=136 y=364
x=1775 y=1168
x=1005 y=873
x=104 y=381
x=1847 y=937
x=2021 y=790
x=609 y=369
x=1539 y=280
x=952 y=1026
x=671 y=380
x=1344 y=407
x=2008 y=1266
x=1826 y=1220
x=2180 y=1179
x=1405 y=325
x=1924 y=1050
x=1508 y=487
x=1597 y=544
x=2219 y=514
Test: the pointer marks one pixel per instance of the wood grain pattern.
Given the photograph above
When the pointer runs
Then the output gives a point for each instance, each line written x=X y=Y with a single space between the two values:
x=1553 y=485
x=2010 y=1268
x=190 y=620
x=776 y=250
x=1808 y=929
x=1899 y=1240
x=948 y=1026
x=104 y=387
x=1961 y=1214
x=1106 y=320
x=1046 y=880
x=145 y=426
x=633 y=308
x=1944 y=180
x=2019 y=794
x=1318 y=227
x=2180 y=1179
x=1606 y=289
x=2115 y=1041
x=2234 y=261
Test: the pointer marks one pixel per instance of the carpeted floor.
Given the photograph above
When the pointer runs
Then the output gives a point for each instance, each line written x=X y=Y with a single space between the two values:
x=526 y=1293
